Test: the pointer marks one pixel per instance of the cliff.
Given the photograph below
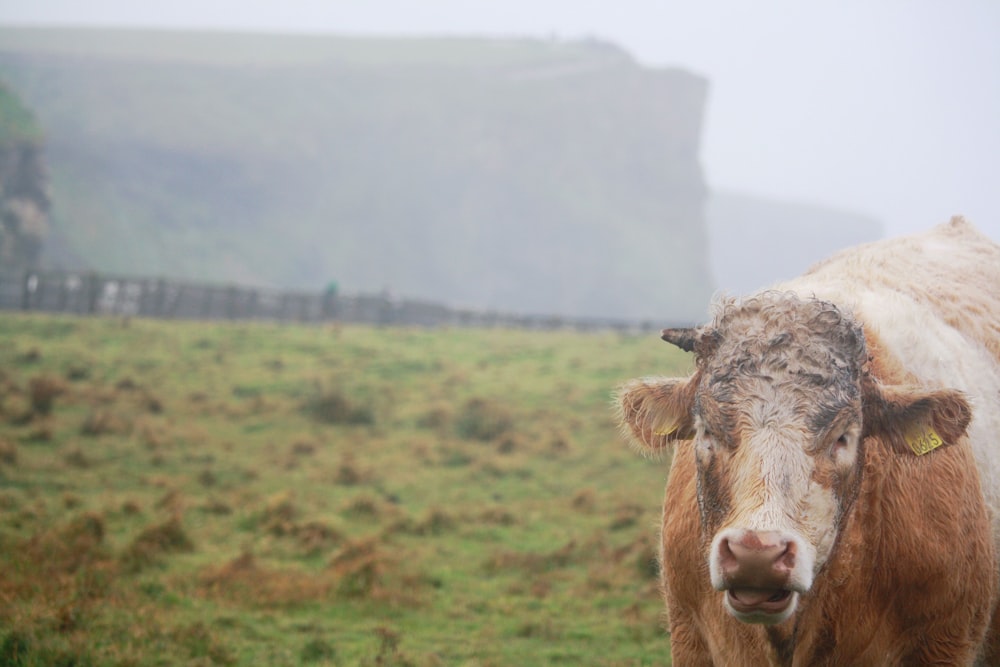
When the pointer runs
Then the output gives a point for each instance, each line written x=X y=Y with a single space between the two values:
x=520 y=175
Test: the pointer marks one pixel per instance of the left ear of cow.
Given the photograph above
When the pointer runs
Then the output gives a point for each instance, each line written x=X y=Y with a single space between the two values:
x=896 y=414
x=655 y=412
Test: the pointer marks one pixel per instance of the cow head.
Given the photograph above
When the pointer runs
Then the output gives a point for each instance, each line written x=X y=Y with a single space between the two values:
x=780 y=410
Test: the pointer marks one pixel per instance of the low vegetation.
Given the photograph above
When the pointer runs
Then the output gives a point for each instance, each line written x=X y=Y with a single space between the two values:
x=179 y=493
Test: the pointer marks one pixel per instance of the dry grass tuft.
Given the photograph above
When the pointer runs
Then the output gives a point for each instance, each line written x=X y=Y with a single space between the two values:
x=483 y=419
x=131 y=508
x=42 y=431
x=498 y=516
x=363 y=506
x=77 y=371
x=201 y=645
x=304 y=447
x=216 y=507
x=172 y=501
x=103 y=422
x=279 y=513
x=585 y=500
x=154 y=542
x=152 y=403
x=315 y=537
x=76 y=458
x=438 y=417
x=127 y=384
x=358 y=567
x=16 y=408
x=55 y=580
x=42 y=393
x=559 y=444
x=208 y=478
x=510 y=442
x=244 y=581
x=437 y=522
x=318 y=650
x=8 y=452
x=349 y=473
x=626 y=516
x=332 y=406
x=30 y=356
x=68 y=549
x=534 y=563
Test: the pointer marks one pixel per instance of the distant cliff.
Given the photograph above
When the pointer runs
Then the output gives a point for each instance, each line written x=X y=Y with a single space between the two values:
x=24 y=200
x=520 y=175
x=758 y=242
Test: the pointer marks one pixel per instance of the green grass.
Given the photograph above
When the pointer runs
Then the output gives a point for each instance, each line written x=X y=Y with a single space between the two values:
x=175 y=493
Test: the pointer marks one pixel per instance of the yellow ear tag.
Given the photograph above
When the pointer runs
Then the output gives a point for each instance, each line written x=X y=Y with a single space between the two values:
x=666 y=429
x=922 y=438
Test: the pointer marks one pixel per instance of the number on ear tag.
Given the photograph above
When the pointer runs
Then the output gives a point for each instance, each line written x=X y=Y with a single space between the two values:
x=922 y=438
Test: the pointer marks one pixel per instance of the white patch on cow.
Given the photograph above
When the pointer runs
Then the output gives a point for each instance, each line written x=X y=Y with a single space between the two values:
x=771 y=487
x=819 y=519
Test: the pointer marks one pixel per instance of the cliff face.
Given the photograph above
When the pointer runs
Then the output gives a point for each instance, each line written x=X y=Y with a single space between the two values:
x=24 y=199
x=519 y=175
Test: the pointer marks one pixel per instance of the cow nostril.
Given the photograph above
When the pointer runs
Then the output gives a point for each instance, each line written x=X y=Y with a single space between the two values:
x=787 y=557
x=727 y=559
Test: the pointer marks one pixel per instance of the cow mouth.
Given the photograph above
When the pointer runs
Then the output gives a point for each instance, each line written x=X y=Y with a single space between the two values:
x=759 y=601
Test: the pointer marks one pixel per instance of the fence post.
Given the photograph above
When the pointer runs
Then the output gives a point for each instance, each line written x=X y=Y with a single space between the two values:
x=29 y=286
x=93 y=292
x=230 y=306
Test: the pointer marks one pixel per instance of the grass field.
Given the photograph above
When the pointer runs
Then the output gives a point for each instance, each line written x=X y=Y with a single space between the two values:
x=248 y=494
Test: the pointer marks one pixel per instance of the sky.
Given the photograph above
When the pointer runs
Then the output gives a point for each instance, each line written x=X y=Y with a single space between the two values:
x=888 y=108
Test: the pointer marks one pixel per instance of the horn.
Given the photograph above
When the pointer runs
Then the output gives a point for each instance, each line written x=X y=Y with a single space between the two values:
x=682 y=338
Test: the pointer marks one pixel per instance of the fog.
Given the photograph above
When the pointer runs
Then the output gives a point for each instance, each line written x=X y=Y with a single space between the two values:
x=886 y=109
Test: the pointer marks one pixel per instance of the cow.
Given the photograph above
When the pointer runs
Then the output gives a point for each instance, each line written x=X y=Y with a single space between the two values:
x=833 y=495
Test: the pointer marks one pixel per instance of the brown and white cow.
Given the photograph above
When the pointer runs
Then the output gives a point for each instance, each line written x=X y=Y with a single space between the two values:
x=833 y=495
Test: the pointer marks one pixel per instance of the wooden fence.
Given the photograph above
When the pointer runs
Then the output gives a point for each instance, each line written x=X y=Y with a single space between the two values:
x=97 y=294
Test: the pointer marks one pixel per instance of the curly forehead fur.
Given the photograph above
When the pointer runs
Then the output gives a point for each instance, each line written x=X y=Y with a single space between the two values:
x=780 y=332
x=807 y=349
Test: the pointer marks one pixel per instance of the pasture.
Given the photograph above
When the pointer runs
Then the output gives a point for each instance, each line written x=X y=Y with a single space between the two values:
x=255 y=494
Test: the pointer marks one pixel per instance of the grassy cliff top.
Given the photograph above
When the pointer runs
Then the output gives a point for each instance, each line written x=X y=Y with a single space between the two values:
x=223 y=48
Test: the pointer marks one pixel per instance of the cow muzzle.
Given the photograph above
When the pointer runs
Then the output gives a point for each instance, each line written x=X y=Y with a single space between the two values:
x=761 y=572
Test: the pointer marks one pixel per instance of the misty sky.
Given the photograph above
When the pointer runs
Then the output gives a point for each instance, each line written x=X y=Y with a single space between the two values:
x=889 y=108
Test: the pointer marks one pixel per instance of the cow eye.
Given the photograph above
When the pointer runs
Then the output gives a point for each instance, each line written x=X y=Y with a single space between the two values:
x=843 y=442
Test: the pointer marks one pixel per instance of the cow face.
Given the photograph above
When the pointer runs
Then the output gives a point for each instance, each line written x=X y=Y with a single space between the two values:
x=779 y=412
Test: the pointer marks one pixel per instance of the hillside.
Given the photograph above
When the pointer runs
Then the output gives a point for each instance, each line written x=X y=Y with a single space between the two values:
x=521 y=175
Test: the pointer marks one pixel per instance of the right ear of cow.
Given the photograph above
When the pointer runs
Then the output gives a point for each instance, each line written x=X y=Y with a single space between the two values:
x=655 y=412
x=915 y=420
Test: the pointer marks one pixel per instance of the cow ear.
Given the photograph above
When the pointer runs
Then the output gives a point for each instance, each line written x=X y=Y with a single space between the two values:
x=915 y=420
x=655 y=412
